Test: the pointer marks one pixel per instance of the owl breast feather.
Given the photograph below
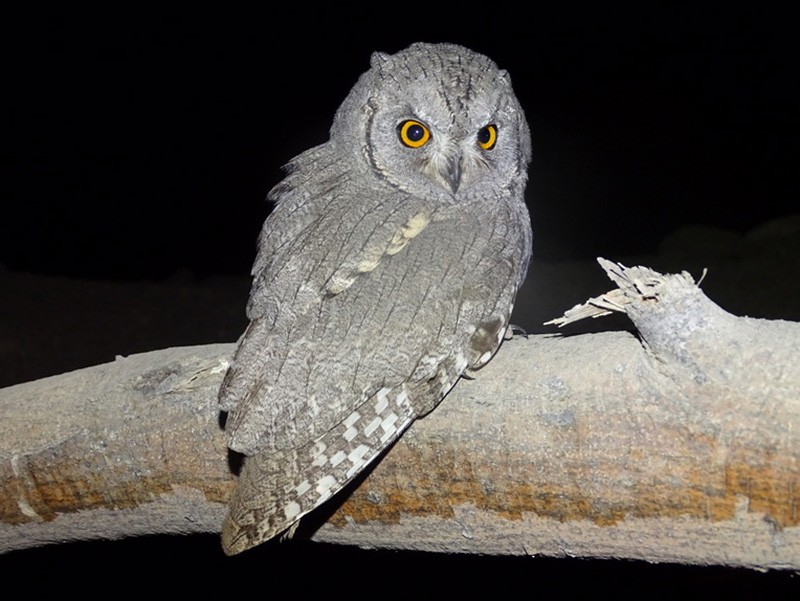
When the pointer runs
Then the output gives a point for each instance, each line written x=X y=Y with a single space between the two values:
x=363 y=296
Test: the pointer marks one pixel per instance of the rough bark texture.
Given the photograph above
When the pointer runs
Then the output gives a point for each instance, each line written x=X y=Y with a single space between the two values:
x=681 y=445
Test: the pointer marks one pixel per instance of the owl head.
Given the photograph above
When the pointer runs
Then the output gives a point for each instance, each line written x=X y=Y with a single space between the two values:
x=438 y=121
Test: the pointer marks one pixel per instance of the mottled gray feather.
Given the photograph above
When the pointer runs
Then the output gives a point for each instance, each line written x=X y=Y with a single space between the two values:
x=377 y=283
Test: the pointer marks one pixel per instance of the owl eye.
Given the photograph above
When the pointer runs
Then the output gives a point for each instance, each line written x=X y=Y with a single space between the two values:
x=487 y=137
x=413 y=133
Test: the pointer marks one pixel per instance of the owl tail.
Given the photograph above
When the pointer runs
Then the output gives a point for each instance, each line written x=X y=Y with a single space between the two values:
x=278 y=487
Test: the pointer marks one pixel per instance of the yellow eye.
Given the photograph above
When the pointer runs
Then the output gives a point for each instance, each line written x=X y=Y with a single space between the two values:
x=487 y=137
x=413 y=133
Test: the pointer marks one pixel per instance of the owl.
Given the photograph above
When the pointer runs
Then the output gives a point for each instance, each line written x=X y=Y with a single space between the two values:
x=386 y=271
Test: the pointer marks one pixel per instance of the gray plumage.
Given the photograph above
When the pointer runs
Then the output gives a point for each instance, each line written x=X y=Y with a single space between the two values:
x=387 y=269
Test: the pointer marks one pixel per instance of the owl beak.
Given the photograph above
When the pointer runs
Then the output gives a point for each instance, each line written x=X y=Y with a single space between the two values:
x=451 y=173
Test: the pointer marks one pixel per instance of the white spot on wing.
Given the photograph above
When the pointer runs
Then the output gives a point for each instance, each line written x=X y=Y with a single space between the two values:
x=358 y=453
x=338 y=458
x=324 y=486
x=357 y=457
x=303 y=487
x=352 y=418
x=501 y=335
x=388 y=427
x=410 y=230
x=367 y=265
x=372 y=426
x=319 y=454
x=383 y=400
x=389 y=422
x=292 y=510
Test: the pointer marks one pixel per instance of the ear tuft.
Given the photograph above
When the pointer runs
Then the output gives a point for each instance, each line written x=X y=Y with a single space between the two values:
x=377 y=59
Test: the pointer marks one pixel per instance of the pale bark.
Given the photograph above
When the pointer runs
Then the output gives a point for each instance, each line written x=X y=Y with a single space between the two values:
x=680 y=445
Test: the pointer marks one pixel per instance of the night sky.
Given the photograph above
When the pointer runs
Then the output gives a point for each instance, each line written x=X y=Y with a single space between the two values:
x=139 y=146
x=136 y=146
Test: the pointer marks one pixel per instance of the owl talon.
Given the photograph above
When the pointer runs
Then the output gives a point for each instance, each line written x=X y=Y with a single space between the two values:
x=513 y=330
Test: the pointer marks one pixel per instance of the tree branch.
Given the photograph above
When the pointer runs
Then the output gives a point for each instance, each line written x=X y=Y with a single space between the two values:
x=682 y=445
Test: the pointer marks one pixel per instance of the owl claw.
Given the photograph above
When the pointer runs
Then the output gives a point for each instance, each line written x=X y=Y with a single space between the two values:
x=513 y=329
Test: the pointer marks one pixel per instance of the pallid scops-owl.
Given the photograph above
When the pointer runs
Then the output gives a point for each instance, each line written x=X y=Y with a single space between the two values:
x=387 y=269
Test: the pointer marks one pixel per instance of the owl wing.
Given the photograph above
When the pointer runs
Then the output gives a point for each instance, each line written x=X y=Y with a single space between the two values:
x=379 y=353
x=413 y=303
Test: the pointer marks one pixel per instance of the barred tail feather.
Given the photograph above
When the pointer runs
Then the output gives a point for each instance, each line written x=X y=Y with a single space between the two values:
x=277 y=488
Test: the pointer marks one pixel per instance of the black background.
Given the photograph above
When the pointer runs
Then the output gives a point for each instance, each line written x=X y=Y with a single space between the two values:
x=140 y=146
